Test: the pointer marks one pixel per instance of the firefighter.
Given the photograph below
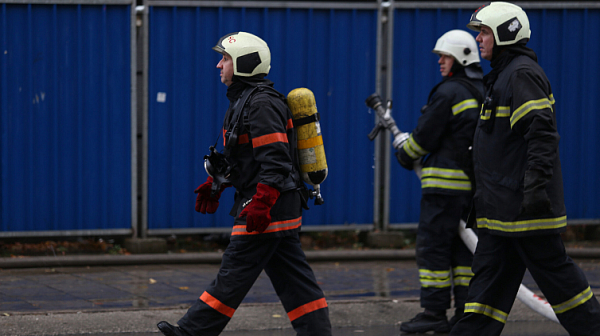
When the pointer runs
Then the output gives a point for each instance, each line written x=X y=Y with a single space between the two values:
x=441 y=141
x=259 y=161
x=519 y=205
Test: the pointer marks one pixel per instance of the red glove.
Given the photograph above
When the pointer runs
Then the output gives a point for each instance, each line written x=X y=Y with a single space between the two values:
x=258 y=211
x=204 y=202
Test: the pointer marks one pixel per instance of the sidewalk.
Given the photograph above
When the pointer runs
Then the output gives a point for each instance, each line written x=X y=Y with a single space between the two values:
x=76 y=295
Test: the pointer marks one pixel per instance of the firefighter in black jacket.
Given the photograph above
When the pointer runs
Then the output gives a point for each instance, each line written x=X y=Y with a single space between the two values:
x=519 y=204
x=259 y=161
x=442 y=141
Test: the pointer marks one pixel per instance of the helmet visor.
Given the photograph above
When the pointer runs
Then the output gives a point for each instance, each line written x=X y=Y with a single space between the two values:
x=220 y=48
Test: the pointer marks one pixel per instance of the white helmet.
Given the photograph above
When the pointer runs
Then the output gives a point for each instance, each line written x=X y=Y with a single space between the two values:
x=249 y=53
x=508 y=22
x=459 y=44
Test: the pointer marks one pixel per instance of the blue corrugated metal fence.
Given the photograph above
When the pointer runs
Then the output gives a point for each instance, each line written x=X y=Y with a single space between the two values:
x=65 y=118
x=66 y=106
x=331 y=52
x=570 y=64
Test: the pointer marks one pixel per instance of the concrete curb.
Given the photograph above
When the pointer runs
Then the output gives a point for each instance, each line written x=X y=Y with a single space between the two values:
x=215 y=258
x=189 y=258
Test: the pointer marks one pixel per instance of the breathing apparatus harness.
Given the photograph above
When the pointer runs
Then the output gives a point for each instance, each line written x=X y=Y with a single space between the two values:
x=218 y=166
x=215 y=163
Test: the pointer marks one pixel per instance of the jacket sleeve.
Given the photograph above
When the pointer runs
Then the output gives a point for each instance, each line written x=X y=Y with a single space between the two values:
x=268 y=125
x=428 y=134
x=533 y=118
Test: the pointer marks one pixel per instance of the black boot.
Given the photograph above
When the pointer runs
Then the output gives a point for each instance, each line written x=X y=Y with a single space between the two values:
x=458 y=314
x=425 y=322
x=171 y=330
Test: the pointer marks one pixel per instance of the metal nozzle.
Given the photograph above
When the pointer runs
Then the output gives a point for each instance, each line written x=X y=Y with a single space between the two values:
x=374 y=101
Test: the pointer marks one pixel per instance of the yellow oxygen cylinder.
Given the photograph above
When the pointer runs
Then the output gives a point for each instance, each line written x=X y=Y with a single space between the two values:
x=313 y=165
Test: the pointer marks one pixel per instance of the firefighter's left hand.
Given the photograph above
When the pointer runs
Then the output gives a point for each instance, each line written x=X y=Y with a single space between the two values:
x=536 y=204
x=535 y=198
x=404 y=160
x=258 y=211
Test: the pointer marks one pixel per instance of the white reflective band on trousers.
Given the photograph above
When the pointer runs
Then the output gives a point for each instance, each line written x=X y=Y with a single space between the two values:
x=524 y=295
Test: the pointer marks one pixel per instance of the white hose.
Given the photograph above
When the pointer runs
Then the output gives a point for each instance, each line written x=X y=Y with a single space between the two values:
x=524 y=295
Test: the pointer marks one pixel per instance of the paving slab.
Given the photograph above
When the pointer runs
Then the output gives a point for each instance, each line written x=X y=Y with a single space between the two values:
x=119 y=300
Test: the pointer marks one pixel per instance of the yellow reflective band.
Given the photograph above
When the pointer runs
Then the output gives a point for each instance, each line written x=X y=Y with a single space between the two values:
x=454 y=179
x=462 y=281
x=477 y=308
x=434 y=274
x=438 y=279
x=435 y=283
x=539 y=104
x=462 y=275
x=462 y=270
x=503 y=111
x=464 y=105
x=579 y=299
x=552 y=101
x=444 y=173
x=445 y=184
x=486 y=115
x=310 y=143
x=522 y=226
x=413 y=149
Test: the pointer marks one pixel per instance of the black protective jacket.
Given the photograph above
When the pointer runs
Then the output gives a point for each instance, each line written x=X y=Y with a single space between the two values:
x=444 y=134
x=264 y=153
x=517 y=132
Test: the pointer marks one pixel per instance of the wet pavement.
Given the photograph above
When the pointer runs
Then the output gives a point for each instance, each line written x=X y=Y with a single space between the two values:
x=367 y=298
x=157 y=286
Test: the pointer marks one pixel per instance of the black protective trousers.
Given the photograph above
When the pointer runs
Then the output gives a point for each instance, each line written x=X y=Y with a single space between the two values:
x=244 y=259
x=499 y=265
x=443 y=259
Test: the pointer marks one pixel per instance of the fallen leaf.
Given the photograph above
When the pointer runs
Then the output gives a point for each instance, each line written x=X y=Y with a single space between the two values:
x=152 y=281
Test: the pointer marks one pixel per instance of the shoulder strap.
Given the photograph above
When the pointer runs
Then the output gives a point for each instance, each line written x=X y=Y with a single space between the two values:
x=465 y=82
x=231 y=133
x=262 y=88
x=239 y=105
x=471 y=87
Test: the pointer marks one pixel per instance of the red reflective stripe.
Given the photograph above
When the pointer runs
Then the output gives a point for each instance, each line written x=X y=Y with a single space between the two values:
x=224 y=138
x=217 y=305
x=242 y=139
x=240 y=230
x=269 y=139
x=290 y=124
x=307 y=308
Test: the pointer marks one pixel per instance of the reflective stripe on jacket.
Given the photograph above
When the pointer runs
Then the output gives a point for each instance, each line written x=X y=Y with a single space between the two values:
x=443 y=136
x=264 y=153
x=516 y=132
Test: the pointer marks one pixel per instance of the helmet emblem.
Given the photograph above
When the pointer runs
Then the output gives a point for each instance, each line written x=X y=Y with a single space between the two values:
x=515 y=25
x=231 y=39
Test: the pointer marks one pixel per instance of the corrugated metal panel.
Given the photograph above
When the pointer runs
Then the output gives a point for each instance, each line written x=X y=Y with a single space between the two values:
x=330 y=51
x=570 y=63
x=65 y=117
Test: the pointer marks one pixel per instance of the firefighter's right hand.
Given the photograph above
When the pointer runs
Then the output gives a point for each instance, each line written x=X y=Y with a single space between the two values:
x=258 y=211
x=205 y=203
